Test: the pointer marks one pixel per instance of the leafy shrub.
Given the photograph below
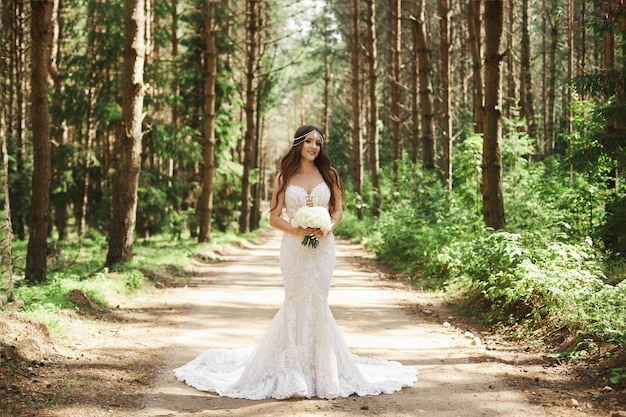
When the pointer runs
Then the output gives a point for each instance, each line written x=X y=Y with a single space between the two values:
x=548 y=269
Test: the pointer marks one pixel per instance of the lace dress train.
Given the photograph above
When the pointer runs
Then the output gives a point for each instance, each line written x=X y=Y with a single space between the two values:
x=302 y=353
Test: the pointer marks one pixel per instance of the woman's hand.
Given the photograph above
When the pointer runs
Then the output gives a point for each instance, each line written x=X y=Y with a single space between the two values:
x=310 y=231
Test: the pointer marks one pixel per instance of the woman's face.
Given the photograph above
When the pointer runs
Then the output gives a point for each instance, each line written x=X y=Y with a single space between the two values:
x=311 y=146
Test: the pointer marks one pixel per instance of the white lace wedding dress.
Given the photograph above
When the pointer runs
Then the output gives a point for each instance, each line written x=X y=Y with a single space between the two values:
x=302 y=353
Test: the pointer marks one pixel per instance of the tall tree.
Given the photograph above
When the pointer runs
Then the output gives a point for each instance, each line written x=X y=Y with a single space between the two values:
x=443 y=7
x=205 y=206
x=128 y=143
x=40 y=199
x=60 y=196
x=6 y=229
x=396 y=80
x=510 y=102
x=570 y=62
x=357 y=136
x=492 y=172
x=550 y=122
x=474 y=20
x=372 y=130
x=326 y=110
x=422 y=46
x=14 y=17
x=91 y=128
x=414 y=94
x=527 y=100
x=252 y=28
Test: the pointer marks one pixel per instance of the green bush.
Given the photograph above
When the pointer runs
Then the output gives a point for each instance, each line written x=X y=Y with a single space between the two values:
x=549 y=269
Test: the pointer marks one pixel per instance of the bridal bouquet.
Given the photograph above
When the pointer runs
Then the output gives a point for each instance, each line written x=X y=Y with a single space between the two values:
x=314 y=217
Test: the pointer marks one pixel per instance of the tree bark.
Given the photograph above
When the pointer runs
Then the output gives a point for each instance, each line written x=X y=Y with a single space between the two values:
x=357 y=138
x=327 y=76
x=15 y=107
x=443 y=7
x=59 y=130
x=426 y=88
x=415 y=93
x=474 y=29
x=208 y=154
x=570 y=63
x=526 y=82
x=40 y=199
x=6 y=228
x=582 y=66
x=550 y=139
x=511 y=102
x=372 y=130
x=493 y=202
x=396 y=81
x=90 y=136
x=128 y=143
x=175 y=82
x=249 y=136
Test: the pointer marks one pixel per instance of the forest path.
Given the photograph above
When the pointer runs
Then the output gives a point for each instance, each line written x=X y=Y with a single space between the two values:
x=230 y=304
x=123 y=367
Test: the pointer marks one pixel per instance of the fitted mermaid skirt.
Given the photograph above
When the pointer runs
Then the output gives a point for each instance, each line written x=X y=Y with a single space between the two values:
x=302 y=353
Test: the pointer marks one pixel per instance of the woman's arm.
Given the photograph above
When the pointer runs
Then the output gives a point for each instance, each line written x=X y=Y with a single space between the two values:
x=337 y=214
x=276 y=219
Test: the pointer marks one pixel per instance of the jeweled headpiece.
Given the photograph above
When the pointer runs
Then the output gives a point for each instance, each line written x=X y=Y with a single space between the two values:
x=314 y=133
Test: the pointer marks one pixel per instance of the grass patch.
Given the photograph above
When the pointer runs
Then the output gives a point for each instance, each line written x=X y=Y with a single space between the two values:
x=78 y=265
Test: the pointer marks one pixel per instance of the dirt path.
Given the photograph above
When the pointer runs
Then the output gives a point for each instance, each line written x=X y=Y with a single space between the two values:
x=124 y=368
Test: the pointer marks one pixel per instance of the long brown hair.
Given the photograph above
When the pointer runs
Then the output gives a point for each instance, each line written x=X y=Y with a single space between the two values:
x=290 y=165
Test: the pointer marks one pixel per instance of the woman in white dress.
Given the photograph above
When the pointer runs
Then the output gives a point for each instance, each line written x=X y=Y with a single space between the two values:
x=302 y=353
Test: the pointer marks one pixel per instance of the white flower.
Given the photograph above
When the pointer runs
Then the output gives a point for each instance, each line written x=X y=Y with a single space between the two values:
x=315 y=218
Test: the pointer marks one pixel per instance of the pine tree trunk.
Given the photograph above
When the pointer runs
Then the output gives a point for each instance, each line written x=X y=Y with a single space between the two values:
x=175 y=86
x=205 y=205
x=40 y=213
x=511 y=102
x=582 y=65
x=396 y=81
x=426 y=88
x=90 y=124
x=443 y=7
x=372 y=130
x=15 y=107
x=474 y=29
x=59 y=131
x=327 y=77
x=415 y=109
x=128 y=143
x=357 y=138
x=526 y=82
x=249 y=136
x=570 y=63
x=543 y=97
x=462 y=67
x=6 y=228
x=550 y=140
x=493 y=202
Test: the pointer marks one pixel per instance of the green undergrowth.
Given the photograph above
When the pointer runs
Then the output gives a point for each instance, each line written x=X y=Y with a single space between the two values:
x=78 y=264
x=548 y=270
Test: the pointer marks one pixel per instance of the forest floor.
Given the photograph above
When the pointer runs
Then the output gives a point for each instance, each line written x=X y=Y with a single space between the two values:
x=119 y=362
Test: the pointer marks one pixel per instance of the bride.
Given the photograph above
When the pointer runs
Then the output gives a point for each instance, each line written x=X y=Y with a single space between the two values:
x=302 y=353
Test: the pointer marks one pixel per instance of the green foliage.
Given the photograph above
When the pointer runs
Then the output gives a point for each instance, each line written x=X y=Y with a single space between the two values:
x=227 y=196
x=134 y=278
x=549 y=269
x=617 y=375
x=43 y=302
x=77 y=266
